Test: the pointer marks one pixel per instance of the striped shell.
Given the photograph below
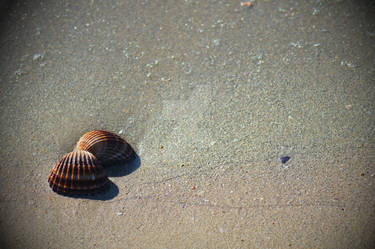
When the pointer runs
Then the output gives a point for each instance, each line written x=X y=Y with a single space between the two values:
x=78 y=172
x=109 y=148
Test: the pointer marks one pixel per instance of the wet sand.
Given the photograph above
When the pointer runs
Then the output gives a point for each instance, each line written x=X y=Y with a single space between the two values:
x=211 y=95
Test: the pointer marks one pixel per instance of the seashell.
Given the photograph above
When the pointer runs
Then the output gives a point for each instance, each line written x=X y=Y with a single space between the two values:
x=108 y=147
x=78 y=172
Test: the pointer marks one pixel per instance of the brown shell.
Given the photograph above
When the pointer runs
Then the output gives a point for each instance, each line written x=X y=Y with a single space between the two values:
x=78 y=172
x=108 y=147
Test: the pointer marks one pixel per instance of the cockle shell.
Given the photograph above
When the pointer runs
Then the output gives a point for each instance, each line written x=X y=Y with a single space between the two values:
x=108 y=147
x=78 y=172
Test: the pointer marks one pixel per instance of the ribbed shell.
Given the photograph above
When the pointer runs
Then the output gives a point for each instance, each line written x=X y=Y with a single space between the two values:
x=108 y=147
x=78 y=172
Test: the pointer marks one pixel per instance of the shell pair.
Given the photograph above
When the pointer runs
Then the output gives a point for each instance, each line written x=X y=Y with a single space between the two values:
x=81 y=172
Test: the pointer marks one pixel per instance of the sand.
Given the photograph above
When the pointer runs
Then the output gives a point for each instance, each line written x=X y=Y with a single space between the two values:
x=211 y=95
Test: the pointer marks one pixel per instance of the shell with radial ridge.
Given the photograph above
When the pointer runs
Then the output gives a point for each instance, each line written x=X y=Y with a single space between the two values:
x=108 y=147
x=78 y=173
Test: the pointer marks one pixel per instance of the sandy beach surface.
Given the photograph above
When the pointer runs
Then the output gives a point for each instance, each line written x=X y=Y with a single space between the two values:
x=210 y=95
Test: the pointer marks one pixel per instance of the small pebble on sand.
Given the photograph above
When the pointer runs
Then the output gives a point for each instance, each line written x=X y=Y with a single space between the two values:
x=284 y=159
x=38 y=56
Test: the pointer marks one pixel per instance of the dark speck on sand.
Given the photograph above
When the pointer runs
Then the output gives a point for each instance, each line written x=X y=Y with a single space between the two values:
x=284 y=159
